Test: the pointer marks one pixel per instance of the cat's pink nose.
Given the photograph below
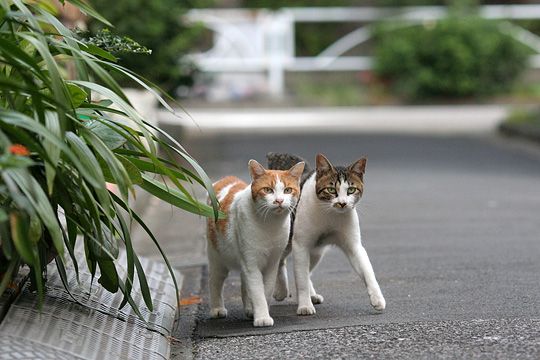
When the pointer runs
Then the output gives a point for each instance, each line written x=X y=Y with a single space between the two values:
x=278 y=201
x=341 y=204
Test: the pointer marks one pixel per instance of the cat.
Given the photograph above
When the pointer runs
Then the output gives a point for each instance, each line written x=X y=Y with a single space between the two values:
x=325 y=215
x=253 y=236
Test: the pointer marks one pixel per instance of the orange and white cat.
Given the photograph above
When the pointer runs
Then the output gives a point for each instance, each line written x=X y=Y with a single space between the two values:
x=253 y=236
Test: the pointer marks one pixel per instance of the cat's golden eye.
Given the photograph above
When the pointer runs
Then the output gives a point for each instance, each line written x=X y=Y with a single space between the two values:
x=331 y=190
x=351 y=190
x=287 y=190
x=267 y=190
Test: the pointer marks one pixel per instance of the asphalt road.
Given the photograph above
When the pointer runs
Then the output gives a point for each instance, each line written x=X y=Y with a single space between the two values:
x=452 y=227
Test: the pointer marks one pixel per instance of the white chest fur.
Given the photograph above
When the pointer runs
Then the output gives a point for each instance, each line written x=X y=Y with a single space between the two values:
x=252 y=237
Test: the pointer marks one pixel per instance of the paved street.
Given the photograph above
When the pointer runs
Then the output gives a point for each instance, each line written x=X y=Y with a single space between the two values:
x=452 y=228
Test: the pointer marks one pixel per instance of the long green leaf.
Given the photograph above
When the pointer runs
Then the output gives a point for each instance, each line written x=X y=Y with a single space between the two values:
x=40 y=203
x=25 y=122
x=116 y=168
x=111 y=134
x=125 y=106
x=19 y=234
x=174 y=197
x=109 y=276
x=155 y=241
x=58 y=86
x=53 y=125
x=130 y=254
x=202 y=174
x=91 y=164
x=7 y=245
x=16 y=56
x=89 y=10
x=148 y=166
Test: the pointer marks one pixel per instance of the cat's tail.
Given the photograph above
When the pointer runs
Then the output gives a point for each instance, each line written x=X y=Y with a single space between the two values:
x=280 y=161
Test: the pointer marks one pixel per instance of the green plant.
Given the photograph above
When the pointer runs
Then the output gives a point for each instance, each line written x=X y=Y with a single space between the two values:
x=114 y=44
x=157 y=25
x=59 y=149
x=454 y=57
x=522 y=122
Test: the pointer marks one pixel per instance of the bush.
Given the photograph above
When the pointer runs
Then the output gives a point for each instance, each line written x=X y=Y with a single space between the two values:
x=455 y=57
x=156 y=25
x=523 y=123
x=59 y=148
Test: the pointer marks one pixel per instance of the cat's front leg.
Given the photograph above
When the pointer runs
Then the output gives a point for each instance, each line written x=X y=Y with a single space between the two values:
x=217 y=275
x=281 y=289
x=255 y=292
x=360 y=262
x=314 y=258
x=246 y=301
x=301 y=274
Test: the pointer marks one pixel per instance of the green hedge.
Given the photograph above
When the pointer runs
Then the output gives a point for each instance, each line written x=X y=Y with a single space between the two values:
x=455 y=57
x=156 y=25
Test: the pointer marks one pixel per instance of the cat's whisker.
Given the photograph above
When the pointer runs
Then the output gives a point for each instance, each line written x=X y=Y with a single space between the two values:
x=260 y=210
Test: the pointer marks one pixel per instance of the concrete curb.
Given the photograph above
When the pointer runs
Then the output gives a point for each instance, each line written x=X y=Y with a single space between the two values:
x=458 y=119
x=525 y=131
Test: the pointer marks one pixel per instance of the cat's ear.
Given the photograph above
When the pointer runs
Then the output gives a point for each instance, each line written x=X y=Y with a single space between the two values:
x=255 y=169
x=297 y=170
x=323 y=164
x=359 y=166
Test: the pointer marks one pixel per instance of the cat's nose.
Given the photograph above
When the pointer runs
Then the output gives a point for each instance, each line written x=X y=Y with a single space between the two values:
x=341 y=204
x=278 y=201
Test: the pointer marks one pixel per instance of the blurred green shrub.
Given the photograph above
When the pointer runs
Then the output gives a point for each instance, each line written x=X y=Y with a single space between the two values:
x=156 y=25
x=523 y=122
x=454 y=57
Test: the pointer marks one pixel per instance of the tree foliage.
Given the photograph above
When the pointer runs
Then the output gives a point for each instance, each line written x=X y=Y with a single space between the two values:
x=158 y=26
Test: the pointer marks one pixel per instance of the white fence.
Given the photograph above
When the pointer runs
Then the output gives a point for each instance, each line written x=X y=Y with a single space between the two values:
x=263 y=41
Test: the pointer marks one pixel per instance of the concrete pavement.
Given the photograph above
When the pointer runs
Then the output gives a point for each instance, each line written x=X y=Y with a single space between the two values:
x=451 y=226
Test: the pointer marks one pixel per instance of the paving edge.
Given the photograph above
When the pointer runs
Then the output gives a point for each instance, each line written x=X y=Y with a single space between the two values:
x=187 y=316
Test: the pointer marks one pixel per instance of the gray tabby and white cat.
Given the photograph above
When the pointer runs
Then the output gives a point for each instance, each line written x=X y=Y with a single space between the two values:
x=325 y=215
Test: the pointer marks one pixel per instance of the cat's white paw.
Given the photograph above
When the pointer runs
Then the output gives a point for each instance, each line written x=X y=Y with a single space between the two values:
x=306 y=310
x=217 y=313
x=248 y=313
x=378 y=302
x=264 y=321
x=280 y=292
x=317 y=299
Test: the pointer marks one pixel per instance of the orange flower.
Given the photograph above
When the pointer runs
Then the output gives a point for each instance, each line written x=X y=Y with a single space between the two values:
x=18 y=149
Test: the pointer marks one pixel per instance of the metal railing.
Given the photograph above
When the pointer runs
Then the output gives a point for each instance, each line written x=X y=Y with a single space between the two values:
x=263 y=40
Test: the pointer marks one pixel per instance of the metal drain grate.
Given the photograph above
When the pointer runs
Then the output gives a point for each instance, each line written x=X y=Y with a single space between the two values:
x=95 y=297
x=96 y=330
x=16 y=348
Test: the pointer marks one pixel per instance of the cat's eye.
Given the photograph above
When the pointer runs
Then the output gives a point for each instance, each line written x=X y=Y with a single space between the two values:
x=287 y=190
x=331 y=190
x=268 y=190
x=351 y=190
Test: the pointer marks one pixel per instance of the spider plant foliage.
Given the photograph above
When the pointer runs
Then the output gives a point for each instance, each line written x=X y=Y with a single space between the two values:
x=59 y=149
